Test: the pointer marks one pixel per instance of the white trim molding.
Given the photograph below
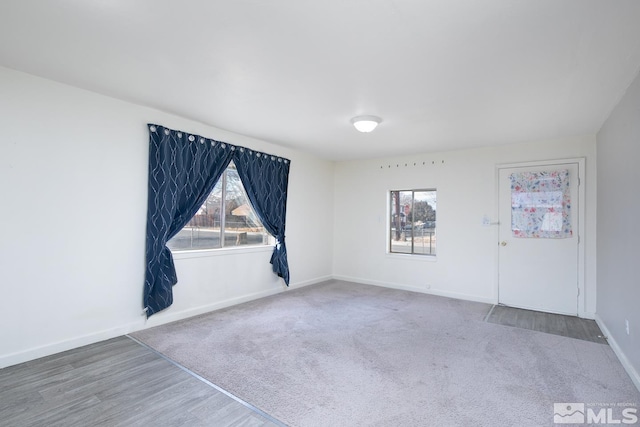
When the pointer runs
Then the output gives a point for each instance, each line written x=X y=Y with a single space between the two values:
x=404 y=287
x=635 y=376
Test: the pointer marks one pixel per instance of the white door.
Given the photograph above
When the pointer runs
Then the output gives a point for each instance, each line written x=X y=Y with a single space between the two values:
x=538 y=238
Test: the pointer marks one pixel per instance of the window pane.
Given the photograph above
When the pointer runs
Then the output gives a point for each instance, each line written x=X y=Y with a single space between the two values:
x=203 y=231
x=242 y=226
x=400 y=221
x=413 y=222
x=424 y=222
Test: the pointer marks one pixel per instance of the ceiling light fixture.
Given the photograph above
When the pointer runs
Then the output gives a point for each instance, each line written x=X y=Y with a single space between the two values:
x=366 y=123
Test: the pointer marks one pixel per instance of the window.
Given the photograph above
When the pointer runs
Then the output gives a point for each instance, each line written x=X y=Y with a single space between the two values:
x=412 y=226
x=210 y=229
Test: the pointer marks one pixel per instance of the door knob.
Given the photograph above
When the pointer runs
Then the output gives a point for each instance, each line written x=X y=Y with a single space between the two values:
x=503 y=243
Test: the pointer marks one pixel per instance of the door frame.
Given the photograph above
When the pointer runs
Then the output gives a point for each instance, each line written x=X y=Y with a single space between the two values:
x=580 y=161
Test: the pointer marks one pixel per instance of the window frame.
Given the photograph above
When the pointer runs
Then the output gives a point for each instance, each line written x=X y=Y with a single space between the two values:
x=389 y=240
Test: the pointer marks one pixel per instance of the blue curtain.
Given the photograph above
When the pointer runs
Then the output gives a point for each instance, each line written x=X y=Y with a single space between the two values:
x=265 y=179
x=183 y=169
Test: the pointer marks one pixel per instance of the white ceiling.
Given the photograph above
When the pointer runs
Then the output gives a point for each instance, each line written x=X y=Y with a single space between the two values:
x=443 y=74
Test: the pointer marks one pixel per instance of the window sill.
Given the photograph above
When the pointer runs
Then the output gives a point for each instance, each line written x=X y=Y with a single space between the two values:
x=207 y=253
x=412 y=257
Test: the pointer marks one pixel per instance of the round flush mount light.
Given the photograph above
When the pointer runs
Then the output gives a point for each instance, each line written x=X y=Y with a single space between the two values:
x=365 y=123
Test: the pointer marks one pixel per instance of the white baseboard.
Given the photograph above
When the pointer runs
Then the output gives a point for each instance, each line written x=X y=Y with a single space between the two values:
x=143 y=323
x=163 y=318
x=587 y=315
x=403 y=287
x=310 y=282
x=60 y=346
x=635 y=376
x=169 y=317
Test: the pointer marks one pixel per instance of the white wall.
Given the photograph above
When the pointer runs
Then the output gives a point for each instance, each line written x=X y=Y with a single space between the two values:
x=618 y=149
x=466 y=263
x=73 y=185
x=73 y=177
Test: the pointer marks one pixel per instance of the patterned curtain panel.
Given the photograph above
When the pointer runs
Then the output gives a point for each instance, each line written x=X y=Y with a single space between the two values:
x=541 y=205
x=265 y=179
x=183 y=169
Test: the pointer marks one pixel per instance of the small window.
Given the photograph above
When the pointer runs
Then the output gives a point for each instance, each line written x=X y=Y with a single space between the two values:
x=412 y=227
x=211 y=229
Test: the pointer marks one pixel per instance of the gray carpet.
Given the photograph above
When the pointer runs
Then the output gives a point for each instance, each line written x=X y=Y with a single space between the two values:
x=345 y=354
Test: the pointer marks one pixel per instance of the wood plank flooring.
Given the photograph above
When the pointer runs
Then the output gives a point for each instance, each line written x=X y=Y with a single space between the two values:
x=557 y=324
x=118 y=382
